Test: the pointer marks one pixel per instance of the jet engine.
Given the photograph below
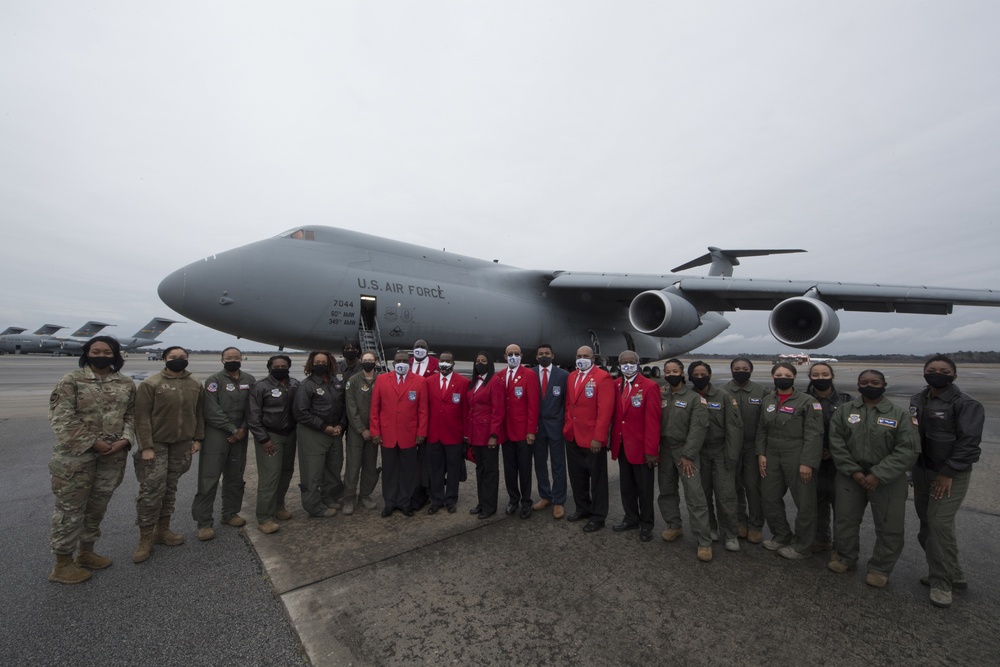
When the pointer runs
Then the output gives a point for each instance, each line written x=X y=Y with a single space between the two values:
x=663 y=313
x=804 y=323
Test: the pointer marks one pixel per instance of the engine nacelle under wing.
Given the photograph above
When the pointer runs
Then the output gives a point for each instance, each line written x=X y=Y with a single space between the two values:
x=663 y=313
x=804 y=322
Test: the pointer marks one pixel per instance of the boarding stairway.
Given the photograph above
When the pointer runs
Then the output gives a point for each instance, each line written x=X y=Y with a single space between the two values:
x=371 y=339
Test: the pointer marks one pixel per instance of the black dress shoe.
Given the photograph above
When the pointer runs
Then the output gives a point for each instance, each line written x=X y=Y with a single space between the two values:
x=452 y=509
x=526 y=512
x=576 y=516
x=476 y=510
x=386 y=511
x=407 y=513
x=646 y=534
x=432 y=509
x=593 y=526
x=511 y=508
x=622 y=527
x=486 y=515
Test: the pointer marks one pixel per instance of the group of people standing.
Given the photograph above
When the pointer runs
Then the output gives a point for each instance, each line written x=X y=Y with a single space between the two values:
x=736 y=449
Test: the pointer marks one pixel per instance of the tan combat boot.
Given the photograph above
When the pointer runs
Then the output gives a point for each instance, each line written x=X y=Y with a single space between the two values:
x=163 y=534
x=145 y=548
x=67 y=572
x=88 y=559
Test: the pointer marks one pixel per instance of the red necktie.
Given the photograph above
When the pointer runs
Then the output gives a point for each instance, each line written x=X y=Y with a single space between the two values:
x=545 y=380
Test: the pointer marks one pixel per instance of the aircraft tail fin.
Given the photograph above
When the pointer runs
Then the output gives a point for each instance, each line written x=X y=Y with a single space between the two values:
x=12 y=330
x=90 y=329
x=48 y=329
x=723 y=261
x=156 y=326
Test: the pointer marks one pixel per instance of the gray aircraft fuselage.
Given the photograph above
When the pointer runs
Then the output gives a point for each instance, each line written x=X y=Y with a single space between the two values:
x=311 y=294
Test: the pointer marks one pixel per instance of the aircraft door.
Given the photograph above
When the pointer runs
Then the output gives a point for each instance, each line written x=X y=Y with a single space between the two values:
x=368 y=308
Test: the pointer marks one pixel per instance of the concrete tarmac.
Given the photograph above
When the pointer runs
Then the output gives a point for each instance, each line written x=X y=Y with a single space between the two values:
x=450 y=589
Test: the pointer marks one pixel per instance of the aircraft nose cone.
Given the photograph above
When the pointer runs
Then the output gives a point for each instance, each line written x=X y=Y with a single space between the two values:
x=171 y=290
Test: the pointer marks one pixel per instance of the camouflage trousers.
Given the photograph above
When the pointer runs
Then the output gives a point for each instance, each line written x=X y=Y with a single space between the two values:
x=82 y=485
x=158 y=481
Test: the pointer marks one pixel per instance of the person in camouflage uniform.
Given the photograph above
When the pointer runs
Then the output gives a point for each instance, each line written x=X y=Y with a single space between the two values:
x=92 y=412
x=170 y=427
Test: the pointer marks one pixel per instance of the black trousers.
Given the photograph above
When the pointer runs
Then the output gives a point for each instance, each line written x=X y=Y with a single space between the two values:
x=399 y=475
x=445 y=466
x=487 y=477
x=636 y=482
x=421 y=480
x=588 y=477
x=517 y=460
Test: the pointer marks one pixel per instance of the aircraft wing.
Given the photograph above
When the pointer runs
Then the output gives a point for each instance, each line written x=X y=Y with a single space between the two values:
x=727 y=294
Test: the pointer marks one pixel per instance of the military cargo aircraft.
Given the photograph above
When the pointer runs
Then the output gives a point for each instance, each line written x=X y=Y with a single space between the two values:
x=43 y=342
x=318 y=287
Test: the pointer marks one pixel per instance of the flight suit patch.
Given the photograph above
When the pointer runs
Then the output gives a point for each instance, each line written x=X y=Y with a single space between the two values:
x=714 y=406
x=913 y=410
x=212 y=387
x=853 y=419
x=891 y=423
x=230 y=387
x=680 y=404
x=456 y=398
x=770 y=408
x=276 y=393
x=244 y=387
x=817 y=406
x=365 y=387
x=320 y=392
x=754 y=401
x=412 y=395
x=788 y=409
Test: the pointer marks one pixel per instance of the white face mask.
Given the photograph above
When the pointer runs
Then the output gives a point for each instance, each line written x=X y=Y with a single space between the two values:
x=629 y=370
x=401 y=367
x=584 y=364
x=513 y=360
x=419 y=353
x=445 y=367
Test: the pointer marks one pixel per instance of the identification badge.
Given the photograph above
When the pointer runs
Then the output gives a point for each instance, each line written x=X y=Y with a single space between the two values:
x=456 y=398
x=212 y=387
x=770 y=408
x=320 y=391
x=754 y=401
x=518 y=392
x=891 y=423
x=412 y=395
x=637 y=401
x=276 y=393
x=788 y=409
x=588 y=391
x=714 y=406
x=680 y=404
x=853 y=419
x=244 y=387
x=556 y=391
x=230 y=387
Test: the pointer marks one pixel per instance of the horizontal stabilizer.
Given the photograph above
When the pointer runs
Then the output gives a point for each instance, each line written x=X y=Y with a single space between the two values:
x=723 y=261
x=156 y=326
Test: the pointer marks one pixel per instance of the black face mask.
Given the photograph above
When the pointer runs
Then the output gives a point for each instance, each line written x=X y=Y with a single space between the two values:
x=674 y=380
x=701 y=383
x=368 y=366
x=231 y=366
x=482 y=369
x=784 y=383
x=176 y=365
x=871 y=392
x=937 y=380
x=822 y=383
x=100 y=363
x=350 y=355
x=544 y=362
x=741 y=377
x=320 y=369
x=279 y=374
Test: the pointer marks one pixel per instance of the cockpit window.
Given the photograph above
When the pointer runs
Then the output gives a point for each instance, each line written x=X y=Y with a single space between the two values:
x=301 y=234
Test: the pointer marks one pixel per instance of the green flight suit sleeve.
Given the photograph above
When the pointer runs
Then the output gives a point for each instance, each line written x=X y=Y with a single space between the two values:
x=812 y=436
x=762 y=428
x=199 y=417
x=904 y=452
x=697 y=429
x=734 y=432
x=353 y=413
x=839 y=450
x=215 y=416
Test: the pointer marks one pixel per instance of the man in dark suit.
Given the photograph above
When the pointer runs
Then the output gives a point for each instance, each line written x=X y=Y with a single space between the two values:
x=521 y=422
x=549 y=442
x=398 y=423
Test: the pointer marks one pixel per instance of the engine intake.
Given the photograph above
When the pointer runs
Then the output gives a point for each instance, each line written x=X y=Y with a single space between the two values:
x=804 y=323
x=663 y=313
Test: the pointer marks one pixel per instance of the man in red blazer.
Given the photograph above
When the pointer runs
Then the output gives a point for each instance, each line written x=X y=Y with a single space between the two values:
x=521 y=424
x=398 y=423
x=636 y=430
x=423 y=365
x=590 y=407
x=448 y=402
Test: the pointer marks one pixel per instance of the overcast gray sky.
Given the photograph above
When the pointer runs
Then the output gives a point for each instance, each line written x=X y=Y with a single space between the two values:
x=619 y=136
